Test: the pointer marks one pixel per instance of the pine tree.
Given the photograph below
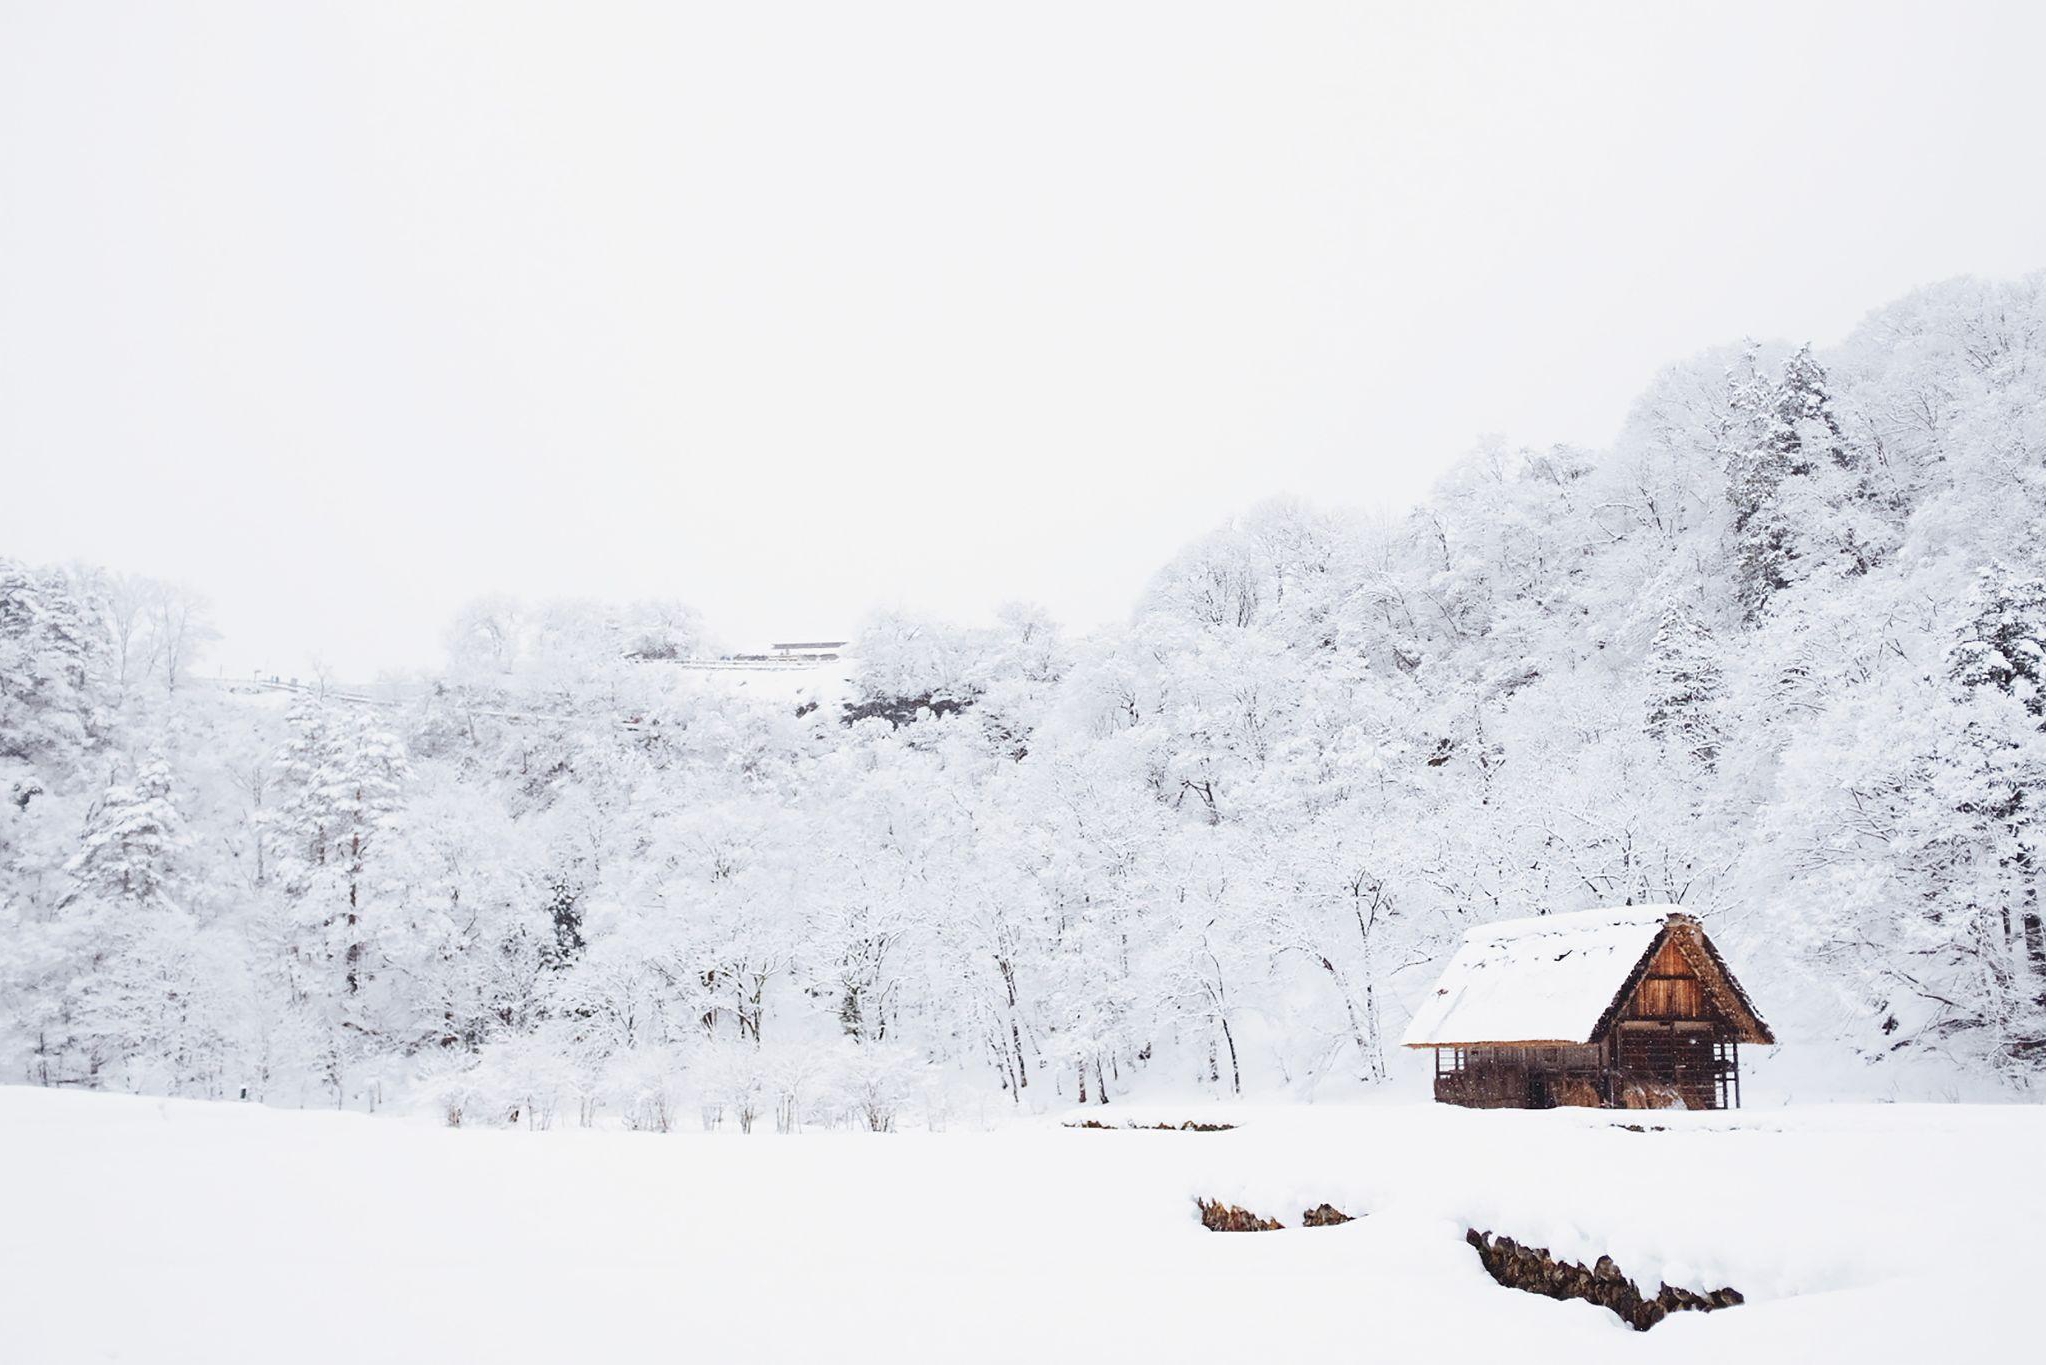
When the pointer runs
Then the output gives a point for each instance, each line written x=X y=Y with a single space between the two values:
x=1758 y=463
x=1683 y=687
x=300 y=824
x=1999 y=792
x=128 y=876
x=361 y=790
x=1804 y=428
x=341 y=783
x=52 y=649
x=1798 y=488
x=565 y=915
x=134 y=843
x=2000 y=644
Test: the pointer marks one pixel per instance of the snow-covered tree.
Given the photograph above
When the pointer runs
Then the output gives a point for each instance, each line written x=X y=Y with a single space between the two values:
x=1683 y=687
x=1775 y=655
x=135 y=845
x=2000 y=643
x=52 y=649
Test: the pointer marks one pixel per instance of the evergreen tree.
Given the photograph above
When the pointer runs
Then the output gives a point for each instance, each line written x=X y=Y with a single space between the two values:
x=1757 y=463
x=1803 y=428
x=1999 y=647
x=360 y=792
x=565 y=917
x=2000 y=644
x=341 y=782
x=128 y=876
x=1683 y=687
x=52 y=648
x=1800 y=492
x=134 y=843
x=300 y=825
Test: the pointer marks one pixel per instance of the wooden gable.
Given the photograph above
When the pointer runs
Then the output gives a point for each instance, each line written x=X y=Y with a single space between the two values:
x=1681 y=979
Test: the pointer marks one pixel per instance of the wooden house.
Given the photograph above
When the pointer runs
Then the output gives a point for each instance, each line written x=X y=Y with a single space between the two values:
x=1624 y=1008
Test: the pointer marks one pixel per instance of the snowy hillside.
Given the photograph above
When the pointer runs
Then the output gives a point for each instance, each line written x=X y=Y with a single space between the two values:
x=175 y=1231
x=1773 y=657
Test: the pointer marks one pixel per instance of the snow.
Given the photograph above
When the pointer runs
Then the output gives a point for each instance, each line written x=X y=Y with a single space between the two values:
x=826 y=682
x=1231 y=840
x=170 y=1230
x=1542 y=980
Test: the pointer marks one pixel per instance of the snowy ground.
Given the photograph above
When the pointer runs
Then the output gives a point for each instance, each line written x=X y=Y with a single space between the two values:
x=149 y=1230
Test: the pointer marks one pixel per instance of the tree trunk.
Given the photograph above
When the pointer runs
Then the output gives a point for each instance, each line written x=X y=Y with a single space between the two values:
x=1017 y=1042
x=1358 y=1033
x=2030 y=932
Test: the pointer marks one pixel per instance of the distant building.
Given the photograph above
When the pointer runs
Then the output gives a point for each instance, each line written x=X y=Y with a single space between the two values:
x=807 y=649
x=1624 y=1008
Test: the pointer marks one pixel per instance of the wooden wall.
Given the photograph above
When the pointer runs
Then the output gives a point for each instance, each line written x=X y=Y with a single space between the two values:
x=1514 y=1077
x=1676 y=1055
x=1671 y=989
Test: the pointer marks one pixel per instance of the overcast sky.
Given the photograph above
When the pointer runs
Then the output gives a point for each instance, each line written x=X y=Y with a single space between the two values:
x=346 y=313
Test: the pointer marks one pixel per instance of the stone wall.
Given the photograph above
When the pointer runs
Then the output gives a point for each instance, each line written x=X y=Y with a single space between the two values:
x=1536 y=1271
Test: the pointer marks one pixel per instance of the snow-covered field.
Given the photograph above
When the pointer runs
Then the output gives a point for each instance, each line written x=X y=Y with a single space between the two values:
x=165 y=1230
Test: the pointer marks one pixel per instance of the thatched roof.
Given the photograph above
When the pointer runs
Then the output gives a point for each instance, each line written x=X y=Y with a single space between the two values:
x=1563 y=979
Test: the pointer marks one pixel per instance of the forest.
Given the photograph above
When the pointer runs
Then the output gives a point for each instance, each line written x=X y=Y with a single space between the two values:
x=1773 y=655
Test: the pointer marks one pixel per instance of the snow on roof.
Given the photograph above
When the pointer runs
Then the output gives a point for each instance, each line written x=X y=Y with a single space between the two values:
x=1541 y=980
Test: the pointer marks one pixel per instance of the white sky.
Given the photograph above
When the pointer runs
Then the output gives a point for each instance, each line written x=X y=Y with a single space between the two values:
x=345 y=313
